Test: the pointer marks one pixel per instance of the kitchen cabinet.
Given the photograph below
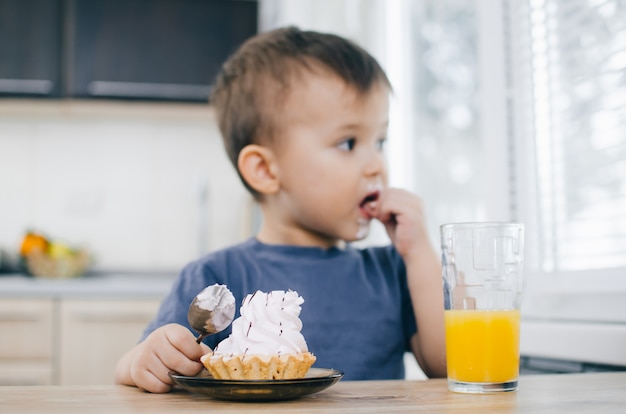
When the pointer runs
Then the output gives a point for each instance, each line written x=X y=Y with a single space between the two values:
x=153 y=49
x=30 y=48
x=68 y=340
x=94 y=334
x=27 y=341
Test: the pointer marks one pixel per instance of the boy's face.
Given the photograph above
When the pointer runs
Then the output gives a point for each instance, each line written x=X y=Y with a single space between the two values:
x=330 y=158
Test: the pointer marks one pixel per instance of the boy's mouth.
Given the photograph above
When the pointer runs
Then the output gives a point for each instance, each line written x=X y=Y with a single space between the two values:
x=369 y=204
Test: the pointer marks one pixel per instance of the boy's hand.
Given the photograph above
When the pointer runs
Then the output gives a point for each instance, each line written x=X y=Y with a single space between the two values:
x=170 y=348
x=402 y=213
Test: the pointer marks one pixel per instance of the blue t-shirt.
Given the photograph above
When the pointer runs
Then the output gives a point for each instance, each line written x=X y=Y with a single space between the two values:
x=357 y=315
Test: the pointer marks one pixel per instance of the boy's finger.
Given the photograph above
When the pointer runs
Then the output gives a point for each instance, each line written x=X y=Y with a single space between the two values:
x=184 y=341
x=148 y=381
x=179 y=362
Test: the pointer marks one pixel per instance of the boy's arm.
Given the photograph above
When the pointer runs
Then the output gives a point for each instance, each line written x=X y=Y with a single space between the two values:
x=169 y=348
x=402 y=214
x=424 y=279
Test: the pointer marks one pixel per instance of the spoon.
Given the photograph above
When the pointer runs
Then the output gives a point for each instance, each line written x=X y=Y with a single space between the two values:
x=211 y=311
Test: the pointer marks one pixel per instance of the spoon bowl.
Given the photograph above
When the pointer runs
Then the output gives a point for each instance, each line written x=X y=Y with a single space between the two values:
x=211 y=311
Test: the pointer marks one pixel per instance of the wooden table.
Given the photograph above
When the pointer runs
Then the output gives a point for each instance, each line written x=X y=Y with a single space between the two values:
x=567 y=393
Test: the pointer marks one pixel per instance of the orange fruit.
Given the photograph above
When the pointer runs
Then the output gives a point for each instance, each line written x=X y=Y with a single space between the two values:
x=33 y=242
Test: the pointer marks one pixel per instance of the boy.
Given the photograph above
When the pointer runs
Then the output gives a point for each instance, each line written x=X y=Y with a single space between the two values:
x=304 y=117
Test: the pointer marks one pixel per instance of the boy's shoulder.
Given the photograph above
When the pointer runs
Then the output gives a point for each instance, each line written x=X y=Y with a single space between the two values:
x=236 y=249
x=213 y=266
x=233 y=252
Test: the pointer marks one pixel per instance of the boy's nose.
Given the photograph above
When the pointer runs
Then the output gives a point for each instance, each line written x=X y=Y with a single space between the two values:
x=376 y=163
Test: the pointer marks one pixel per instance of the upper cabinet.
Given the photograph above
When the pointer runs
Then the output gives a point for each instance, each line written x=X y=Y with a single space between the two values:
x=128 y=49
x=30 y=48
x=155 y=49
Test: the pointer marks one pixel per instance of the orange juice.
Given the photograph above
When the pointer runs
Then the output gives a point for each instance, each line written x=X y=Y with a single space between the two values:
x=482 y=345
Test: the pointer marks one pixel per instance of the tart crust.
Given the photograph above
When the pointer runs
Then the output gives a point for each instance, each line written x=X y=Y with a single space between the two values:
x=258 y=367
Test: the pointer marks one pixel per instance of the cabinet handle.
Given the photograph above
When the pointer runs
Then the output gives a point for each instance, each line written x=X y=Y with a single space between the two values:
x=130 y=317
x=30 y=86
x=19 y=317
x=149 y=90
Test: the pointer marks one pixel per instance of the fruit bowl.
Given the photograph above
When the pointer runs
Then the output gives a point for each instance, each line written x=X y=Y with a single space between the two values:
x=52 y=259
x=43 y=265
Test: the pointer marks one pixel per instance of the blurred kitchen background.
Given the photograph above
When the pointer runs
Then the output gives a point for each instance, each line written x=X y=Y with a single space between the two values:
x=502 y=110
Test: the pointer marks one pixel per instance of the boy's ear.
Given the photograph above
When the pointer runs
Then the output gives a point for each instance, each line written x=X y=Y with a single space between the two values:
x=257 y=166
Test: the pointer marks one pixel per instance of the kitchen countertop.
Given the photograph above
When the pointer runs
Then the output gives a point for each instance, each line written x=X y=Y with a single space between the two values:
x=565 y=393
x=114 y=285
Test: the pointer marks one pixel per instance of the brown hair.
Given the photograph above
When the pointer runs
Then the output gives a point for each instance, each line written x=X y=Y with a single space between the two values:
x=262 y=69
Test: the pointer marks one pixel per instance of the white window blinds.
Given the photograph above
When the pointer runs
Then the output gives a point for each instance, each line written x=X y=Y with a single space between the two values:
x=568 y=71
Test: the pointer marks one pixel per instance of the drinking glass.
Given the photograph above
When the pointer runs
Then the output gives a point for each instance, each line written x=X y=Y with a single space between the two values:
x=482 y=275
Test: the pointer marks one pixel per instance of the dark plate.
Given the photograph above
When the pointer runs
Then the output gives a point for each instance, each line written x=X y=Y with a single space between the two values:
x=315 y=380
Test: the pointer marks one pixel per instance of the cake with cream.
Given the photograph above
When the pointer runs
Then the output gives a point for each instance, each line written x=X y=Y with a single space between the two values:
x=265 y=343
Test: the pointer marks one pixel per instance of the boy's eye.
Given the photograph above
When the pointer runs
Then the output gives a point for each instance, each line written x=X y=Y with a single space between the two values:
x=347 y=144
x=381 y=143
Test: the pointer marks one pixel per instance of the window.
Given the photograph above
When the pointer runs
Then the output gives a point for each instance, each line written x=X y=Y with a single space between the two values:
x=568 y=68
x=579 y=82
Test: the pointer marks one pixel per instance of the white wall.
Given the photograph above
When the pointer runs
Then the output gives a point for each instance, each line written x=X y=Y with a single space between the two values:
x=125 y=179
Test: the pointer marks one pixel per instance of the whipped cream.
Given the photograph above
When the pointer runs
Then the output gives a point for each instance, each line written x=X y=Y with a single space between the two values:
x=269 y=325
